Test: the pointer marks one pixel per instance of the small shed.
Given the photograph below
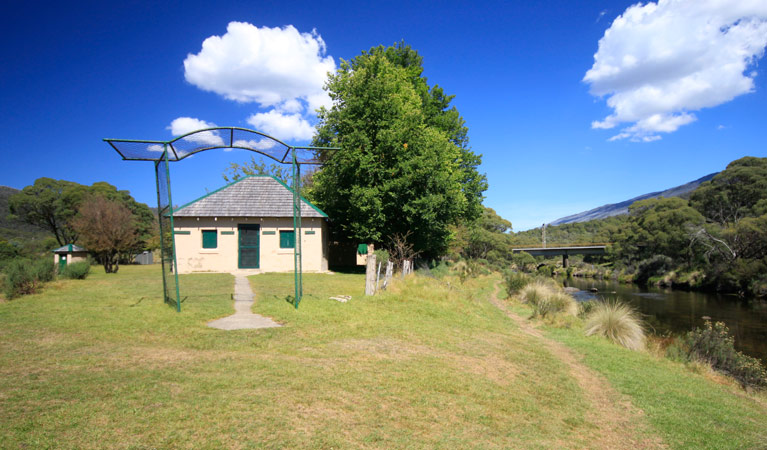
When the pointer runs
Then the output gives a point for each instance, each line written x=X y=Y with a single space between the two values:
x=69 y=254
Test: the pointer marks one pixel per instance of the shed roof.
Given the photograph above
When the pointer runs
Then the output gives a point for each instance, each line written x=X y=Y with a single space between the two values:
x=69 y=248
x=251 y=196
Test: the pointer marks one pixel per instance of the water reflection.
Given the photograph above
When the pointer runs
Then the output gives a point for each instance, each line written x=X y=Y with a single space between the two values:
x=674 y=311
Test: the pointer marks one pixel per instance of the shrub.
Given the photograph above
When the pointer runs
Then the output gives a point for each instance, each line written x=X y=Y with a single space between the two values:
x=658 y=265
x=617 y=322
x=714 y=346
x=584 y=308
x=545 y=271
x=43 y=269
x=515 y=281
x=19 y=278
x=382 y=256
x=76 y=271
x=523 y=261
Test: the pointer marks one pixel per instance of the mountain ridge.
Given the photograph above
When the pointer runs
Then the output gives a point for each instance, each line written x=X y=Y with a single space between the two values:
x=616 y=209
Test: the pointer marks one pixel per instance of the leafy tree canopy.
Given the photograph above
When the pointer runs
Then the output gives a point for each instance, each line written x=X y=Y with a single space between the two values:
x=660 y=226
x=737 y=192
x=405 y=165
x=257 y=167
x=53 y=204
x=107 y=228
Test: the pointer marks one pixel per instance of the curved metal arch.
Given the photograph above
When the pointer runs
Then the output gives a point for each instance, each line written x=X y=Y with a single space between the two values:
x=151 y=150
x=232 y=143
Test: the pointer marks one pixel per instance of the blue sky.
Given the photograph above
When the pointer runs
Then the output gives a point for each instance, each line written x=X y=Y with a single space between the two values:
x=664 y=103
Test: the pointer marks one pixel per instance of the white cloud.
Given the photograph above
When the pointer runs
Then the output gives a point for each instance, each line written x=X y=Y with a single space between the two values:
x=285 y=127
x=261 y=144
x=659 y=62
x=274 y=67
x=184 y=125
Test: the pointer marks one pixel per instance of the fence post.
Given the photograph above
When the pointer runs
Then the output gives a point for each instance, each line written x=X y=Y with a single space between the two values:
x=389 y=272
x=370 y=272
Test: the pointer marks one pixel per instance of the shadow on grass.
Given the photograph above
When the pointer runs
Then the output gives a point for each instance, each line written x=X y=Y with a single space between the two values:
x=348 y=269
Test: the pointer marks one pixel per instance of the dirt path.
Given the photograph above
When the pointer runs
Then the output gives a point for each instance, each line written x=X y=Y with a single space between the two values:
x=615 y=417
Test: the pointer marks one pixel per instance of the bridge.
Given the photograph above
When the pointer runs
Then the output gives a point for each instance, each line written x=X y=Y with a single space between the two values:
x=565 y=251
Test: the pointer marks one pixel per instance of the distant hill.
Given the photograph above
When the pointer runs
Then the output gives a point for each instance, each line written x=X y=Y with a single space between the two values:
x=616 y=209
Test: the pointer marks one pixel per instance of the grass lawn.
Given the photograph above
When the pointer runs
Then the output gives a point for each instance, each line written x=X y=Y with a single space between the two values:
x=102 y=362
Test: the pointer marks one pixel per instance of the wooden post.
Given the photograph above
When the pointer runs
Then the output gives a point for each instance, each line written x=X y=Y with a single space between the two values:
x=370 y=272
x=389 y=272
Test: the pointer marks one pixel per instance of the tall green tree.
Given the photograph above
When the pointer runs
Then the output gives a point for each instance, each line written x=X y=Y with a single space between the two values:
x=405 y=166
x=49 y=204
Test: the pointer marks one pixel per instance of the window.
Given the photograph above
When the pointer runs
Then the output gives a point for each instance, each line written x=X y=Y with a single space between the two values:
x=209 y=239
x=287 y=239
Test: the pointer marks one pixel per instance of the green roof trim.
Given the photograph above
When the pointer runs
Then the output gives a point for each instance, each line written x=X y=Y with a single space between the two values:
x=69 y=248
x=322 y=213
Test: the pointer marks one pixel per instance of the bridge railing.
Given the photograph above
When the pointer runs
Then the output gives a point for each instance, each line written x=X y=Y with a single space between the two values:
x=557 y=244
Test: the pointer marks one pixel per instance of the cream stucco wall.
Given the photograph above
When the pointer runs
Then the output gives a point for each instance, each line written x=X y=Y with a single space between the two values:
x=191 y=257
x=71 y=257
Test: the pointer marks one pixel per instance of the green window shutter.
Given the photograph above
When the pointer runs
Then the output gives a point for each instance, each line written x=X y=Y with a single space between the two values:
x=287 y=239
x=362 y=249
x=209 y=239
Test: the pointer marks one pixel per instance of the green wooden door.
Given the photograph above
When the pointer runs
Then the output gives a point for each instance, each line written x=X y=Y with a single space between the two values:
x=248 y=246
x=62 y=262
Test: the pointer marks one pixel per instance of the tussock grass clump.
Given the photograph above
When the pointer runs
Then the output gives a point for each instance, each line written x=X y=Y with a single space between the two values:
x=533 y=292
x=617 y=322
x=555 y=303
x=547 y=299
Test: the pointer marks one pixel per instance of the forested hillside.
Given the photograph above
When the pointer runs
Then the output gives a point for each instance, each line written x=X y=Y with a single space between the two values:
x=715 y=240
x=16 y=234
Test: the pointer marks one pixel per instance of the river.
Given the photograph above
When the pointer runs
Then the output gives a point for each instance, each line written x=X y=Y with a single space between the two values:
x=676 y=311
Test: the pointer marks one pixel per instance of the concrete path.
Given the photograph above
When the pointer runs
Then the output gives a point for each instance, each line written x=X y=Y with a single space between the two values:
x=242 y=317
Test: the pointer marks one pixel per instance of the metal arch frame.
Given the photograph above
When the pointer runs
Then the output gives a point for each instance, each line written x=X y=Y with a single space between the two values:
x=289 y=157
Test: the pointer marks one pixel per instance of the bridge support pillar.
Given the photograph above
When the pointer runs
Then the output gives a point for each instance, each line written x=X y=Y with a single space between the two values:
x=564 y=260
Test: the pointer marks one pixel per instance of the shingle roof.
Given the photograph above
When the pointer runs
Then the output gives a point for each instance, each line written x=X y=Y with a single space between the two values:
x=252 y=196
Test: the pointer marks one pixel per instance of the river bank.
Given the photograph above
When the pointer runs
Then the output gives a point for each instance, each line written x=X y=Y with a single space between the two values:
x=669 y=311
